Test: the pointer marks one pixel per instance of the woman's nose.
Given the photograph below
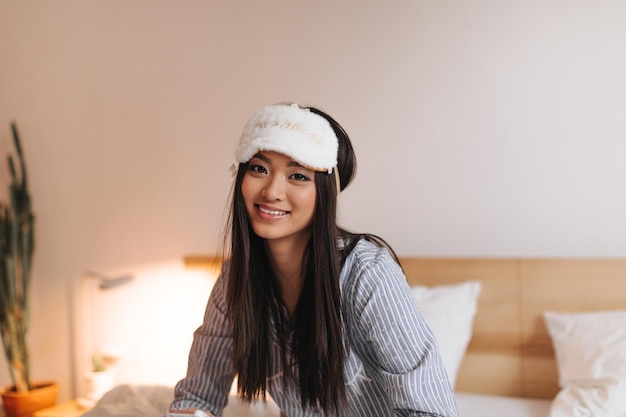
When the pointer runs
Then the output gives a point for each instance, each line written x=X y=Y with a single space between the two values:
x=274 y=188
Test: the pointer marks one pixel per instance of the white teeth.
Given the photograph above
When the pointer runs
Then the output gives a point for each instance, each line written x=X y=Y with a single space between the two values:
x=272 y=212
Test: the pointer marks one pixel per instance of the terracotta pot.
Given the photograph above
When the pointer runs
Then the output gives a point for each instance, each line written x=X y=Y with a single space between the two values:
x=42 y=395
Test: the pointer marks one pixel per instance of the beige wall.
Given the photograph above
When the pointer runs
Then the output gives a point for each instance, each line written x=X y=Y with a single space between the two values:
x=483 y=128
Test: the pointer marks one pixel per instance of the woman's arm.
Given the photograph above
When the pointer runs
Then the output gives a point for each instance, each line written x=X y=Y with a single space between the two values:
x=210 y=372
x=405 y=348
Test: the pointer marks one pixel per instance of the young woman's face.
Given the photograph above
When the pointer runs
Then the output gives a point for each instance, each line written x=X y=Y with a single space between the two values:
x=279 y=195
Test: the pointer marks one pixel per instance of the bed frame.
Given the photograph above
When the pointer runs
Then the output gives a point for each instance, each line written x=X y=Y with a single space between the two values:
x=511 y=352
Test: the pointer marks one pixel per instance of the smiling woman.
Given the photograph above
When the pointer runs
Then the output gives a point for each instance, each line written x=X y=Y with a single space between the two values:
x=301 y=309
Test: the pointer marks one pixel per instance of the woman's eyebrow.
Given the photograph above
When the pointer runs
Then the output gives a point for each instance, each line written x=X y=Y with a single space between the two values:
x=268 y=160
x=262 y=157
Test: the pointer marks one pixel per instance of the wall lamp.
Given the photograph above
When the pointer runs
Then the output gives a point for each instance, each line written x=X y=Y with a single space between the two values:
x=105 y=282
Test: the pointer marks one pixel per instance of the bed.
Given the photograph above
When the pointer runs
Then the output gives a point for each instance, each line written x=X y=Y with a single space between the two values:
x=515 y=317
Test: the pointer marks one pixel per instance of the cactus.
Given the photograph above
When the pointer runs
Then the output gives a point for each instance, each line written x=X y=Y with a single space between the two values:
x=16 y=251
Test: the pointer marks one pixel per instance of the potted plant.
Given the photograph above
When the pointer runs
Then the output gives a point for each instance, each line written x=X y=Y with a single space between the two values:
x=16 y=253
x=100 y=378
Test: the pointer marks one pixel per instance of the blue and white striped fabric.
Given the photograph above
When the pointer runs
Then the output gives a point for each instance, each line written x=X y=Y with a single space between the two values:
x=393 y=367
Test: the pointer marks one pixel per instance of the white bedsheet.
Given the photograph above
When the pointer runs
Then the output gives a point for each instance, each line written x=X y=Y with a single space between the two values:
x=483 y=405
x=151 y=401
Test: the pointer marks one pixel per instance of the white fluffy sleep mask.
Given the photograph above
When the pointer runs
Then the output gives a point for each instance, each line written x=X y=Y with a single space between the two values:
x=306 y=137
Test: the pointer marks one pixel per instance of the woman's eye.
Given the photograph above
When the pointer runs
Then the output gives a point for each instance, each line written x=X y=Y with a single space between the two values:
x=257 y=168
x=299 y=177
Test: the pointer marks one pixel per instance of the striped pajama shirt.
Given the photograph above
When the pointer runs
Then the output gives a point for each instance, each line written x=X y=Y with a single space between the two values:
x=393 y=367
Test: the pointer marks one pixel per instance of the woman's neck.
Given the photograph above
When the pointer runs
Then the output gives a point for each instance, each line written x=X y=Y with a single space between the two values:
x=286 y=262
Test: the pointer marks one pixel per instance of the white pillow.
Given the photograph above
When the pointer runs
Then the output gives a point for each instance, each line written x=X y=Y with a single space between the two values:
x=590 y=351
x=449 y=310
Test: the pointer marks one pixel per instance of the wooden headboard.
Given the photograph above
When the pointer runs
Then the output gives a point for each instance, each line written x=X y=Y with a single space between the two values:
x=511 y=352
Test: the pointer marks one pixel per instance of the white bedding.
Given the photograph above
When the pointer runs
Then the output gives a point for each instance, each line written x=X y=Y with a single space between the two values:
x=483 y=405
x=151 y=401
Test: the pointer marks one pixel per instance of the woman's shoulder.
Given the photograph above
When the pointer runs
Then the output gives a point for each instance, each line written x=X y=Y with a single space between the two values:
x=370 y=276
x=369 y=261
x=367 y=251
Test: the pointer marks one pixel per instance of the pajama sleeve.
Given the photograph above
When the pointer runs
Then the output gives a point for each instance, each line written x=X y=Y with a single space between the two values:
x=396 y=340
x=210 y=371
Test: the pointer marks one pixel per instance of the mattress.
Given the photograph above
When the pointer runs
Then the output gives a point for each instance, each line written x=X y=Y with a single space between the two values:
x=470 y=405
x=143 y=401
x=483 y=405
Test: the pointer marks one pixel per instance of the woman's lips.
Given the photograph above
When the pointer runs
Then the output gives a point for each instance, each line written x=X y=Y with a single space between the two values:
x=270 y=212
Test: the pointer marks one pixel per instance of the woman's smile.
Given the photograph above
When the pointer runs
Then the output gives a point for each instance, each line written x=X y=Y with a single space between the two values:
x=270 y=213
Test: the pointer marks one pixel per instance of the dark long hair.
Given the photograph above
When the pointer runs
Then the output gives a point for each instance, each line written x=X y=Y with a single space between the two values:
x=317 y=351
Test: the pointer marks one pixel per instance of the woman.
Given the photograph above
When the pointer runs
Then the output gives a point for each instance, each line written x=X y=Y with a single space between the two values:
x=318 y=317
